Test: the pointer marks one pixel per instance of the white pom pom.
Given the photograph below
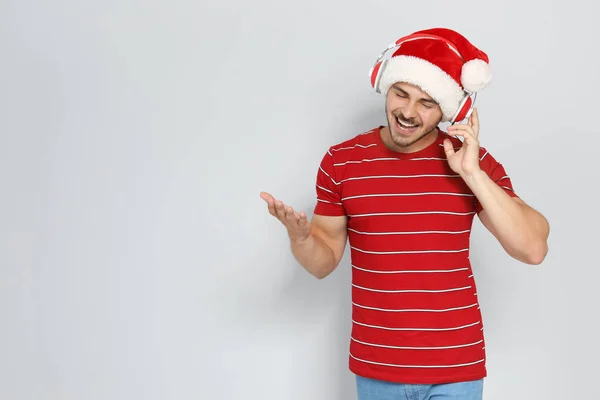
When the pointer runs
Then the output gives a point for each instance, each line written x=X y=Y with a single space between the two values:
x=475 y=75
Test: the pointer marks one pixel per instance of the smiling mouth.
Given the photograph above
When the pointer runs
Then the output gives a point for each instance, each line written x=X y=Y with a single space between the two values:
x=404 y=127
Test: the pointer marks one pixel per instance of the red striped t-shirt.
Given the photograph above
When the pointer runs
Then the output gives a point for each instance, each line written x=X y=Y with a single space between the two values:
x=415 y=312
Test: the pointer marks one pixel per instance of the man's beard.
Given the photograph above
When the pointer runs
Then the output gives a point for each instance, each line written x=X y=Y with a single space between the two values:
x=403 y=141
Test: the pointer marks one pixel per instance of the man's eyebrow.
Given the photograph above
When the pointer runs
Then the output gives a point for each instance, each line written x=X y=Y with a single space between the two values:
x=428 y=101
x=400 y=90
x=423 y=99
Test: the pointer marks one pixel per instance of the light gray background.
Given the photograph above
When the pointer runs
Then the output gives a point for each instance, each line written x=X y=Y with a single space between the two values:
x=137 y=260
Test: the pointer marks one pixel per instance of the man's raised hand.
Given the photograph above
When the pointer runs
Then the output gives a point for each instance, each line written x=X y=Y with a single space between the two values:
x=465 y=161
x=297 y=224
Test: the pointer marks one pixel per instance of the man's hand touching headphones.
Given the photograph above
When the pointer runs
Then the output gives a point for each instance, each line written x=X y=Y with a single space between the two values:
x=465 y=161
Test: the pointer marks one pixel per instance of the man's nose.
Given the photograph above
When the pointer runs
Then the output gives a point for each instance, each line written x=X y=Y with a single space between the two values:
x=410 y=111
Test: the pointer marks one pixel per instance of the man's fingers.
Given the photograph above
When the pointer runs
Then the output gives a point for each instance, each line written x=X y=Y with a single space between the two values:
x=475 y=122
x=280 y=210
x=290 y=216
x=465 y=132
x=296 y=216
x=285 y=214
x=271 y=206
x=448 y=148
x=460 y=128
x=470 y=138
x=266 y=196
x=303 y=221
x=270 y=200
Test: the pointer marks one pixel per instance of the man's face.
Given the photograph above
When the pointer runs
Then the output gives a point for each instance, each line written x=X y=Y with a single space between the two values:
x=411 y=114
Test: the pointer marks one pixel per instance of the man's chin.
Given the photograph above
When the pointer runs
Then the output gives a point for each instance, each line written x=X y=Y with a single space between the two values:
x=404 y=143
x=405 y=140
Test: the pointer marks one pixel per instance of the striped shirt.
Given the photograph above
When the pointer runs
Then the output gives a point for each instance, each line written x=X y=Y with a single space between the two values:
x=415 y=311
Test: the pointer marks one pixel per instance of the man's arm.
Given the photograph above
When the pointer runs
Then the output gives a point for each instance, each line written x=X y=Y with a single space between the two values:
x=321 y=252
x=522 y=231
x=318 y=245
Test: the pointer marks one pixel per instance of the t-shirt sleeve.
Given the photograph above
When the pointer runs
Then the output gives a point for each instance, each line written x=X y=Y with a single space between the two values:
x=329 y=200
x=497 y=173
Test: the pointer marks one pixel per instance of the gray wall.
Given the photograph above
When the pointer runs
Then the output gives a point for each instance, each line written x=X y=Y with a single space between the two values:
x=137 y=260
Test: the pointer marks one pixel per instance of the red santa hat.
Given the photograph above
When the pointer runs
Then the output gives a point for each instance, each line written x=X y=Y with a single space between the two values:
x=440 y=61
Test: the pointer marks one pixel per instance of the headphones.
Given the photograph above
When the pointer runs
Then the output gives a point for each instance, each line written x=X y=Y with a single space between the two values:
x=376 y=72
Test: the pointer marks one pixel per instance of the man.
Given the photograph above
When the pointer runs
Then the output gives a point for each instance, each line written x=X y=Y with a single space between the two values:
x=405 y=196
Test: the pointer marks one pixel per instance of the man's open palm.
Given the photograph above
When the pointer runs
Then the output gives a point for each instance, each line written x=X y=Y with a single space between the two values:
x=297 y=224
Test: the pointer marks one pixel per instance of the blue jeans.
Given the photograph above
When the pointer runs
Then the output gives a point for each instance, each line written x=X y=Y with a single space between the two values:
x=370 y=389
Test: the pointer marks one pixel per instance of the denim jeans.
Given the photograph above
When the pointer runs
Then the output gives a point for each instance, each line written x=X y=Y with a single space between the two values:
x=370 y=389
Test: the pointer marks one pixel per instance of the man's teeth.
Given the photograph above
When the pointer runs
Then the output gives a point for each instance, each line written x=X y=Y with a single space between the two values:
x=405 y=125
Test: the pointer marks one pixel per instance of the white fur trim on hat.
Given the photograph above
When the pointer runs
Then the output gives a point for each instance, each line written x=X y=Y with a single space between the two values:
x=428 y=77
x=475 y=75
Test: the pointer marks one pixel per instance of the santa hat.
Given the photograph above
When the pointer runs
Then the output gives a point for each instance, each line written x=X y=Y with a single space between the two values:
x=440 y=61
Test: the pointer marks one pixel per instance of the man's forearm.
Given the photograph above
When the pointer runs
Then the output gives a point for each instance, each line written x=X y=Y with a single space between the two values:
x=314 y=255
x=521 y=230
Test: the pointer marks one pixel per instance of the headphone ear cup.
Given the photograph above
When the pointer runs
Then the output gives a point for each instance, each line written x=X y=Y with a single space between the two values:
x=376 y=73
x=464 y=110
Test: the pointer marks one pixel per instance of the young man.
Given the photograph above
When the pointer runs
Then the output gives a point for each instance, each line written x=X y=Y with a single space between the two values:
x=405 y=196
